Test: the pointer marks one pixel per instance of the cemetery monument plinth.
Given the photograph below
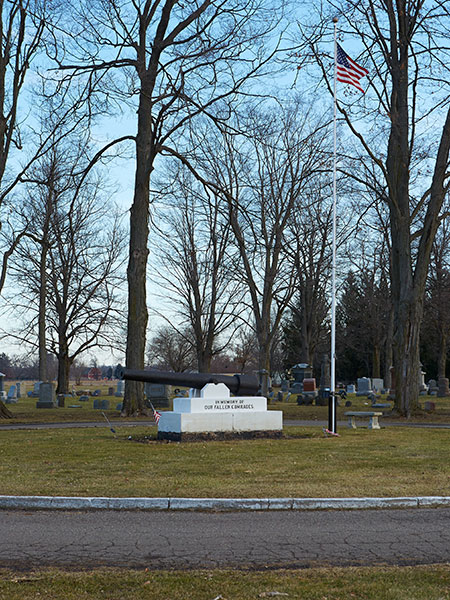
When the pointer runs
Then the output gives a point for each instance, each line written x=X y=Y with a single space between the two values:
x=210 y=410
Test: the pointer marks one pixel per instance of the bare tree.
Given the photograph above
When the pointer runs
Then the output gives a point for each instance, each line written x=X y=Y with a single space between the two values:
x=68 y=265
x=193 y=260
x=171 y=349
x=262 y=181
x=309 y=249
x=407 y=56
x=172 y=61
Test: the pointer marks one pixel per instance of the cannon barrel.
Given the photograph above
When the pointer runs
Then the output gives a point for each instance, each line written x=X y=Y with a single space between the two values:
x=239 y=385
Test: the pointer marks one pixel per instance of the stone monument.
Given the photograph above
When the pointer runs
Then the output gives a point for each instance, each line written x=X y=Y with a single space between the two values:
x=443 y=387
x=364 y=386
x=158 y=394
x=300 y=372
x=120 y=389
x=46 y=395
x=213 y=410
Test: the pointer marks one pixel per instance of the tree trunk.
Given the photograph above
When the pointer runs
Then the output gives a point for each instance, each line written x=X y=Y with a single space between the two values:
x=5 y=413
x=388 y=360
x=64 y=363
x=264 y=365
x=407 y=358
x=442 y=359
x=376 y=361
x=133 y=402
x=42 y=313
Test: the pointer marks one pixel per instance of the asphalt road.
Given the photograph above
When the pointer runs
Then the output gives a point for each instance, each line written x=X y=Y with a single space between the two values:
x=164 y=540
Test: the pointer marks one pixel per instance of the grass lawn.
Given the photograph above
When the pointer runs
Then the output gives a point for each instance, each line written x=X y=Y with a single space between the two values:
x=389 y=583
x=83 y=462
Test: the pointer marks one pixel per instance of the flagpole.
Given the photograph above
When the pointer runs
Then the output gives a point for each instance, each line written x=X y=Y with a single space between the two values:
x=332 y=399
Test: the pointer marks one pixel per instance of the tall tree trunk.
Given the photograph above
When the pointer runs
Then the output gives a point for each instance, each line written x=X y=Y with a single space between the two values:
x=133 y=402
x=442 y=359
x=64 y=363
x=388 y=360
x=264 y=367
x=42 y=313
x=376 y=361
x=406 y=357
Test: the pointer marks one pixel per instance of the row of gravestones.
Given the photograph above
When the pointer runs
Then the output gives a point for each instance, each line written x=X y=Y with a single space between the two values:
x=158 y=395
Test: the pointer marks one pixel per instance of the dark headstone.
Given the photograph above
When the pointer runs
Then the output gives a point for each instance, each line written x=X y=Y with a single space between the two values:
x=300 y=372
x=443 y=388
x=46 y=395
x=158 y=394
x=101 y=404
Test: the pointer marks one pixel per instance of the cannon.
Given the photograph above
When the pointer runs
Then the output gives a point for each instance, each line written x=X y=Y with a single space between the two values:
x=239 y=385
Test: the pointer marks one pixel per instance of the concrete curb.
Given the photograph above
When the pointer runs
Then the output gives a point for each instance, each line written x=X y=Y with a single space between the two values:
x=216 y=504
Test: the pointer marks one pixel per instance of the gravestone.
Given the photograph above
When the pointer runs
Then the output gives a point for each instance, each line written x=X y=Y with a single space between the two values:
x=423 y=389
x=158 y=394
x=284 y=385
x=83 y=398
x=101 y=404
x=110 y=391
x=364 y=386
x=429 y=406
x=36 y=390
x=377 y=385
x=432 y=387
x=351 y=389
x=120 y=389
x=20 y=389
x=300 y=372
x=11 y=398
x=46 y=395
x=443 y=388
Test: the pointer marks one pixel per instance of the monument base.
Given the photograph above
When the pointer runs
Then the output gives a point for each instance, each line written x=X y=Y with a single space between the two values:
x=45 y=404
x=218 y=436
x=176 y=422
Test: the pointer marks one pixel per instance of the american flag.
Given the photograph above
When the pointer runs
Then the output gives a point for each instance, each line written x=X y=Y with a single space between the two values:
x=348 y=71
x=156 y=414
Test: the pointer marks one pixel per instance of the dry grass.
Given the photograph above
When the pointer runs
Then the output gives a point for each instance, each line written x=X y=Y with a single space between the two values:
x=82 y=462
x=388 y=583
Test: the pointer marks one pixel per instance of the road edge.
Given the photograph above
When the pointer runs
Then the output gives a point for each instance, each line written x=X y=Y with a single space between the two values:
x=216 y=504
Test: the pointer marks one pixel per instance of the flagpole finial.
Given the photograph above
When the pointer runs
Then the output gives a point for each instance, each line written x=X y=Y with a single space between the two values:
x=335 y=19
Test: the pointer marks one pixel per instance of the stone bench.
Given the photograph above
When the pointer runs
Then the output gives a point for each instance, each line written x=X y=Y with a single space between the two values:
x=372 y=416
